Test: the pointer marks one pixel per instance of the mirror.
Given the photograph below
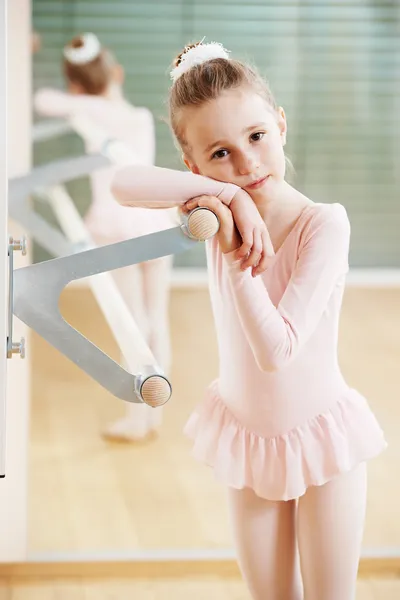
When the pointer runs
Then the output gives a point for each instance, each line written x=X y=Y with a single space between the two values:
x=324 y=67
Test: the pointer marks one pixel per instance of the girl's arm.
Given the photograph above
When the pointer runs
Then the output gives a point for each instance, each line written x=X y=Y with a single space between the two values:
x=56 y=103
x=156 y=187
x=86 y=115
x=277 y=334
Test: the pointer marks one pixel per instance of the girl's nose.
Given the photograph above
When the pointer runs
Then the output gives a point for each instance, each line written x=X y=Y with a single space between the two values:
x=247 y=164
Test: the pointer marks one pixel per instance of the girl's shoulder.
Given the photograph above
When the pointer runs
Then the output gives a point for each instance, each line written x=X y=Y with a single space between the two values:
x=326 y=215
x=324 y=223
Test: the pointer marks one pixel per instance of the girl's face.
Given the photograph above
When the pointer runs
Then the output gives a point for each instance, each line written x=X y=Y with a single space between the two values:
x=237 y=138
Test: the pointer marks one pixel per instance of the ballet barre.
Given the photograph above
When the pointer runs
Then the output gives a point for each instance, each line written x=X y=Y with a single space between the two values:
x=49 y=129
x=37 y=288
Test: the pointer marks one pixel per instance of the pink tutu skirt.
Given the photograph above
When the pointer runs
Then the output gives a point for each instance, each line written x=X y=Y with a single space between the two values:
x=283 y=467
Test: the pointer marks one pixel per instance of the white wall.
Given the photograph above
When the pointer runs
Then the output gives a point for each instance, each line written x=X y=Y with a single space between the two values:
x=13 y=489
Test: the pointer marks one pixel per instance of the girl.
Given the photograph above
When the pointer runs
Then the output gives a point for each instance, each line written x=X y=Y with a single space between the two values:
x=94 y=82
x=281 y=428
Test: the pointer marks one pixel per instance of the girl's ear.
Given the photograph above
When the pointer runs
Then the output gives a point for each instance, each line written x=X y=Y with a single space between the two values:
x=190 y=165
x=118 y=74
x=75 y=88
x=282 y=124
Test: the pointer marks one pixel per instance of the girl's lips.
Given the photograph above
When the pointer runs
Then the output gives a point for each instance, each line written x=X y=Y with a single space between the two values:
x=257 y=184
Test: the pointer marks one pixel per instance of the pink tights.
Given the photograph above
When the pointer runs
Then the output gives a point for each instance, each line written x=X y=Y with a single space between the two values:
x=304 y=549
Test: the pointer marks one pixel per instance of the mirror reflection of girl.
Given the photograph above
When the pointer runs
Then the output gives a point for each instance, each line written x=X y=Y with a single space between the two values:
x=281 y=427
x=94 y=90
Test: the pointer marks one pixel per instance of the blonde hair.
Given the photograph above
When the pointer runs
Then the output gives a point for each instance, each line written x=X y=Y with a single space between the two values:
x=206 y=81
x=93 y=76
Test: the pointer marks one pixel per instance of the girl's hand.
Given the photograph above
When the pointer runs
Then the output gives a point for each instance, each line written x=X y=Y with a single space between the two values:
x=227 y=236
x=257 y=246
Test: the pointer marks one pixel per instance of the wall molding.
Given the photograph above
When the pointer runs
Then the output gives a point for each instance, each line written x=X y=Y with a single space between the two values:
x=183 y=278
x=163 y=564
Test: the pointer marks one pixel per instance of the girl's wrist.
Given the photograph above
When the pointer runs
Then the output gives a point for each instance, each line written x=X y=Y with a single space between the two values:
x=238 y=197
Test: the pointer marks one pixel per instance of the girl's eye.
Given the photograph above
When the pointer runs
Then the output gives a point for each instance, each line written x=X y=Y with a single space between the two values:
x=256 y=137
x=220 y=154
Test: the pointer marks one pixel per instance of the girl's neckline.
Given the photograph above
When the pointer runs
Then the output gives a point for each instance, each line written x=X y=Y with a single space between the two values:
x=295 y=226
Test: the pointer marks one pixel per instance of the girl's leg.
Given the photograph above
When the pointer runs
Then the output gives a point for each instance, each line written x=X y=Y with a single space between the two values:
x=265 y=539
x=156 y=294
x=330 y=529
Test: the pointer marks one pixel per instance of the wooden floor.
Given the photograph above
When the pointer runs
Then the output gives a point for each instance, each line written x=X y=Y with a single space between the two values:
x=87 y=494
x=212 y=589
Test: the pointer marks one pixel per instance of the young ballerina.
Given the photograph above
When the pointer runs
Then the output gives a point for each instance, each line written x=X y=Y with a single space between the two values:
x=281 y=427
x=94 y=80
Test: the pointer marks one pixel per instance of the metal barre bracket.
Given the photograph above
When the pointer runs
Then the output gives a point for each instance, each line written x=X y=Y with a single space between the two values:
x=13 y=347
x=37 y=289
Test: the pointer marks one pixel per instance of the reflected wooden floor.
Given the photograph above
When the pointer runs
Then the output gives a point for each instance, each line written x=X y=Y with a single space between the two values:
x=212 y=589
x=86 y=494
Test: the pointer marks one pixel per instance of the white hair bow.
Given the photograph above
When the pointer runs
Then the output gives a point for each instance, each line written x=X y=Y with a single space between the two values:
x=89 y=50
x=197 y=56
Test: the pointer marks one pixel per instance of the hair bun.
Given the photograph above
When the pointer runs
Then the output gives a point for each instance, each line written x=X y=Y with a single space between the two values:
x=197 y=54
x=83 y=49
x=178 y=59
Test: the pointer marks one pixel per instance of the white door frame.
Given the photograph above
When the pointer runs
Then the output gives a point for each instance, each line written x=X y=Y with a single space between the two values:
x=15 y=159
